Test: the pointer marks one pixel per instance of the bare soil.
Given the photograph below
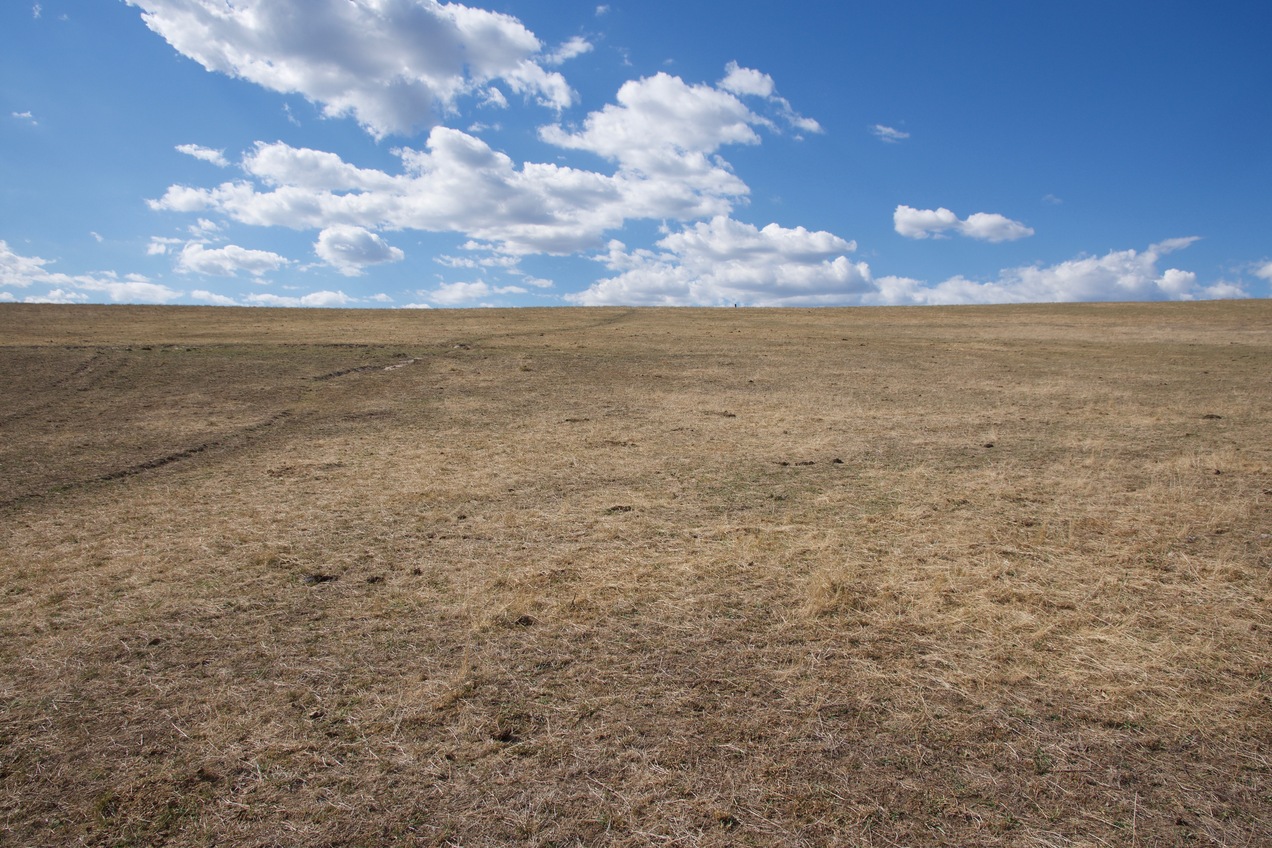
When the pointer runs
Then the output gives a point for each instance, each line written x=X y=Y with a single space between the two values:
x=563 y=577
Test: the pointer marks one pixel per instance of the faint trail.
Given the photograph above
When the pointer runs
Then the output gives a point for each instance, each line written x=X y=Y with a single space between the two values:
x=90 y=367
x=606 y=321
x=235 y=439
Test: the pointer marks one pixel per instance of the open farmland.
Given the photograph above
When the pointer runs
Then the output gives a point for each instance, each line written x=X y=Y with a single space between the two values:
x=965 y=576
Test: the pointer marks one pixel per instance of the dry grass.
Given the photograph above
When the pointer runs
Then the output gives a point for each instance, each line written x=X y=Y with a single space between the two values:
x=969 y=576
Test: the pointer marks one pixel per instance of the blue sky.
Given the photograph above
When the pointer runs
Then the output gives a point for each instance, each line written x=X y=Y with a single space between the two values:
x=409 y=153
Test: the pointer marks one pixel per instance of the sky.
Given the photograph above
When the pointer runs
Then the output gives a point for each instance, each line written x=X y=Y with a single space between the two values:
x=417 y=154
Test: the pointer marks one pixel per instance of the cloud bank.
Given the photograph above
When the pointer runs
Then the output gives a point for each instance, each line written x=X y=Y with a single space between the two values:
x=22 y=272
x=724 y=261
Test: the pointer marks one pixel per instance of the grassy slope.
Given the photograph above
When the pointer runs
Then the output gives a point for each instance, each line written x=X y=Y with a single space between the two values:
x=627 y=577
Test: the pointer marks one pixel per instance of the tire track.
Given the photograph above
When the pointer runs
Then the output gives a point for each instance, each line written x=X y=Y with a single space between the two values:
x=89 y=367
x=235 y=439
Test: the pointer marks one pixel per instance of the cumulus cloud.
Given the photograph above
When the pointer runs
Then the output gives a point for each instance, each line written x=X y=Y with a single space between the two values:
x=57 y=296
x=569 y=50
x=659 y=122
x=662 y=135
x=280 y=164
x=228 y=261
x=313 y=299
x=25 y=116
x=17 y=271
x=394 y=65
x=212 y=297
x=207 y=154
x=725 y=261
x=748 y=82
x=1264 y=271
x=1120 y=275
x=987 y=226
x=935 y=223
x=350 y=249
x=131 y=288
x=161 y=245
x=888 y=134
x=464 y=294
x=459 y=184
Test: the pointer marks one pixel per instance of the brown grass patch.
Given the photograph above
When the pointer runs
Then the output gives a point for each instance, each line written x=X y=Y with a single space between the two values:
x=975 y=576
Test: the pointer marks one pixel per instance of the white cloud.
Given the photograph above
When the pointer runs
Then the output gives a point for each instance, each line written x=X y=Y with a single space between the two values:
x=659 y=122
x=1172 y=245
x=1120 y=275
x=25 y=116
x=160 y=245
x=394 y=65
x=17 y=271
x=747 y=81
x=349 y=249
x=212 y=298
x=888 y=134
x=662 y=134
x=992 y=227
x=935 y=223
x=57 y=296
x=495 y=260
x=203 y=227
x=726 y=261
x=280 y=164
x=133 y=288
x=453 y=294
x=1264 y=271
x=36 y=11
x=459 y=294
x=459 y=184
x=314 y=299
x=922 y=223
x=494 y=98
x=571 y=49
x=207 y=154
x=227 y=261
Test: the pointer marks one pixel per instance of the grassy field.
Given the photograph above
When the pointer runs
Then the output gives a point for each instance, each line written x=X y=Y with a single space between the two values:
x=868 y=577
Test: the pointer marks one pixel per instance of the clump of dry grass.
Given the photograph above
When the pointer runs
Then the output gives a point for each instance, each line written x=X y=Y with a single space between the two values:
x=628 y=577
